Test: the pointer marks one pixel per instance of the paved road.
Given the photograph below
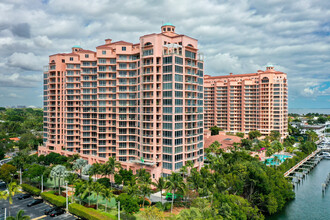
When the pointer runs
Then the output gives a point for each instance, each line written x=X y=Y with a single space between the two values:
x=36 y=211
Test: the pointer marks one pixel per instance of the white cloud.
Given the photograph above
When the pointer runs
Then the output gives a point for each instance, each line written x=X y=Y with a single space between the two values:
x=25 y=61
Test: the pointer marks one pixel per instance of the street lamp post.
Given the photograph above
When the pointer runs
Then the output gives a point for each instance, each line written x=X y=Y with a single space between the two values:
x=119 y=210
x=20 y=176
x=42 y=183
x=67 y=198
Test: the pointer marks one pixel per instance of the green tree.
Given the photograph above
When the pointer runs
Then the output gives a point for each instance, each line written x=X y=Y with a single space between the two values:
x=254 y=134
x=59 y=172
x=107 y=195
x=79 y=165
x=240 y=134
x=128 y=203
x=19 y=216
x=175 y=184
x=152 y=213
x=215 y=130
x=190 y=214
x=97 y=188
x=275 y=136
x=13 y=189
x=34 y=172
x=7 y=172
x=160 y=184
x=110 y=167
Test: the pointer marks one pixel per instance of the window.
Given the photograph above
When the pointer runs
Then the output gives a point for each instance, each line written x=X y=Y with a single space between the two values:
x=178 y=69
x=71 y=58
x=167 y=94
x=178 y=110
x=178 y=60
x=167 y=60
x=123 y=48
x=178 y=78
x=168 y=118
x=167 y=110
x=178 y=94
x=167 y=69
x=167 y=77
x=167 y=157
x=104 y=52
x=167 y=86
x=179 y=86
x=167 y=126
x=167 y=165
x=167 y=101
x=86 y=55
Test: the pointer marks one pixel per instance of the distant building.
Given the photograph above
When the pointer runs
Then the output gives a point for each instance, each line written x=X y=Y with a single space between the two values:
x=247 y=102
x=141 y=103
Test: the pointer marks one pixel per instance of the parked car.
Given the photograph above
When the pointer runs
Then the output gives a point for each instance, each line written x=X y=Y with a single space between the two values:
x=56 y=212
x=24 y=196
x=49 y=210
x=35 y=202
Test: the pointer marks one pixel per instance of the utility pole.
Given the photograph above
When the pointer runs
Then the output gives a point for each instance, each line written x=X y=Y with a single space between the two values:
x=5 y=213
x=118 y=210
x=67 y=198
x=20 y=176
x=42 y=183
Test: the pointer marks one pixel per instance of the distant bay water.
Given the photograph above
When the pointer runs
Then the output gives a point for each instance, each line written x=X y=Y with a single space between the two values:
x=309 y=110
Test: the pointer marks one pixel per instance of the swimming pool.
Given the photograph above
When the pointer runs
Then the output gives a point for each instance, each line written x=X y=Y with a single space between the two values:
x=280 y=159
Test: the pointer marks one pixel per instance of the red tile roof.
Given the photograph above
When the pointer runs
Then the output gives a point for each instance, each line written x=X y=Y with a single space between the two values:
x=225 y=140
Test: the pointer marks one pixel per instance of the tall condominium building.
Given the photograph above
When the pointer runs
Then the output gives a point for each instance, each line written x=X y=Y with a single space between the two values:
x=246 y=102
x=140 y=103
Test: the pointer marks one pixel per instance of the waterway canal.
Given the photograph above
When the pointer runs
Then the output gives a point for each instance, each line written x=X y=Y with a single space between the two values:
x=309 y=202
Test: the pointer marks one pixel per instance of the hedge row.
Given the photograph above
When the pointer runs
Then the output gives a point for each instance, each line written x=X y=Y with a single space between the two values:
x=87 y=213
x=31 y=189
x=58 y=201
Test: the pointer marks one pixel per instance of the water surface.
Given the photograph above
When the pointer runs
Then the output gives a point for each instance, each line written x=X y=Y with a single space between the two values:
x=309 y=202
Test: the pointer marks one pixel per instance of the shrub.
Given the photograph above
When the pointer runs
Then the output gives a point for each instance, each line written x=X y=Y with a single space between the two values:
x=146 y=202
x=126 y=216
x=128 y=203
x=87 y=213
x=58 y=201
x=104 y=181
x=31 y=189
x=240 y=134
x=167 y=206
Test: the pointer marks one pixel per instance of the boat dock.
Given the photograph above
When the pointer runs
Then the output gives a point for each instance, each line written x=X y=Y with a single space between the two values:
x=304 y=165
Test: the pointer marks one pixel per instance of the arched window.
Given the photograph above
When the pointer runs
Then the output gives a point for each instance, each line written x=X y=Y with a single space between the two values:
x=265 y=80
x=147 y=44
x=189 y=45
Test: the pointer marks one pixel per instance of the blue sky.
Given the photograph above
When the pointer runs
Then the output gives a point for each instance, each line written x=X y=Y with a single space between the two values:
x=235 y=36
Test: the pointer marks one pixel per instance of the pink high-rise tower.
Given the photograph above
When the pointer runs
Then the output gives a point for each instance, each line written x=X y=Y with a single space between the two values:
x=141 y=103
x=247 y=102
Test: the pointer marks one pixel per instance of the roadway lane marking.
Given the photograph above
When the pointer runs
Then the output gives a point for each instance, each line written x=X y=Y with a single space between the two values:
x=39 y=217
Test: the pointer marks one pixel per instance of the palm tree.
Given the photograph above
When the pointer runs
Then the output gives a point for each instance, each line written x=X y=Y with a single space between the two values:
x=106 y=194
x=13 y=188
x=59 y=172
x=79 y=164
x=88 y=187
x=96 y=169
x=87 y=170
x=174 y=184
x=19 y=216
x=110 y=167
x=145 y=190
x=160 y=184
x=98 y=188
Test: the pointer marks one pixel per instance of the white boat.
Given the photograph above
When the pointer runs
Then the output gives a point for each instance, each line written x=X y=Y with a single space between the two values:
x=325 y=155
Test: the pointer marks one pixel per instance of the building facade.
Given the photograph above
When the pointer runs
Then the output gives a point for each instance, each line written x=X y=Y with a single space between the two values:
x=247 y=102
x=140 y=103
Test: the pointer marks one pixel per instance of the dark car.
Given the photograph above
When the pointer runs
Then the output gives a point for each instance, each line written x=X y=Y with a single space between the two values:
x=57 y=212
x=24 y=196
x=35 y=202
x=49 y=210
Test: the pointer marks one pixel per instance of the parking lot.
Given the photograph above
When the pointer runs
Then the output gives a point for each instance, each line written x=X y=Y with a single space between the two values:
x=35 y=212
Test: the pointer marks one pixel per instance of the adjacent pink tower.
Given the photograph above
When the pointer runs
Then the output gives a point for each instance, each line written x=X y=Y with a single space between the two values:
x=141 y=103
x=247 y=102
